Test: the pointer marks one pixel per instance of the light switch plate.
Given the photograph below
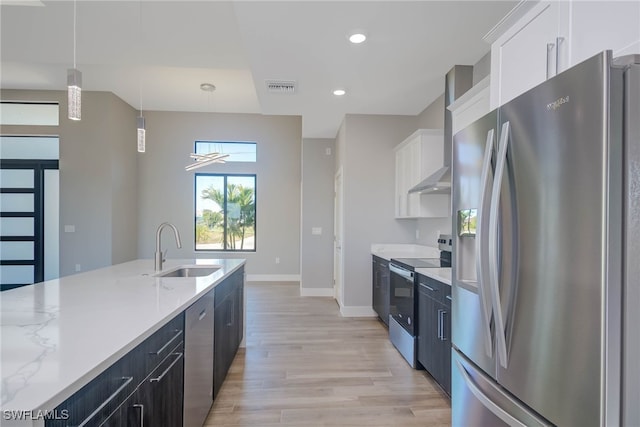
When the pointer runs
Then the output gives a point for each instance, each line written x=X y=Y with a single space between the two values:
x=69 y=228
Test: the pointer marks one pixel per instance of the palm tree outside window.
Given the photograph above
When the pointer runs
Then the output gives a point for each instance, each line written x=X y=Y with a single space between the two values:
x=225 y=212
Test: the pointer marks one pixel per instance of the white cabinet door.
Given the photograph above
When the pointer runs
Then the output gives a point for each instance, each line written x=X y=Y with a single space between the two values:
x=604 y=25
x=525 y=55
x=417 y=157
x=401 y=183
x=555 y=35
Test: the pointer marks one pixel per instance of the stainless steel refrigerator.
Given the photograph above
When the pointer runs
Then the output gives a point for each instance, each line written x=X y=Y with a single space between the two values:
x=546 y=265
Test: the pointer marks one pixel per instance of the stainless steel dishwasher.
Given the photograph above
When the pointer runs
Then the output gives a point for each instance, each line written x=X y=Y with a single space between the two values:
x=198 y=361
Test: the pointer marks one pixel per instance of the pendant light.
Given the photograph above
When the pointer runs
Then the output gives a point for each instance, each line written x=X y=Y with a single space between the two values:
x=141 y=125
x=74 y=81
x=141 y=134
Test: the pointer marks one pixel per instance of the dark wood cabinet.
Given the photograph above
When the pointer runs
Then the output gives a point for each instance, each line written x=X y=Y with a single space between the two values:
x=228 y=326
x=434 y=329
x=146 y=386
x=380 y=295
x=161 y=394
x=157 y=401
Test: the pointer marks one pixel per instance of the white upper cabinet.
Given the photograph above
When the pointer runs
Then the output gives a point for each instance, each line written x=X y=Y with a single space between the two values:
x=537 y=40
x=526 y=53
x=417 y=157
x=604 y=25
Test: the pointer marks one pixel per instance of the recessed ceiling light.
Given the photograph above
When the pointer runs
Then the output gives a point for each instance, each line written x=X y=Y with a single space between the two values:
x=339 y=92
x=357 y=38
x=207 y=87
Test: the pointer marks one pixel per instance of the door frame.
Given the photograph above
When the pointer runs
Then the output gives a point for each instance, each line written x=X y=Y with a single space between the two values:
x=338 y=238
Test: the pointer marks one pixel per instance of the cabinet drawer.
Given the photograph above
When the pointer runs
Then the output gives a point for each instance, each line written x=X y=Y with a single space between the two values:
x=155 y=348
x=431 y=288
x=228 y=286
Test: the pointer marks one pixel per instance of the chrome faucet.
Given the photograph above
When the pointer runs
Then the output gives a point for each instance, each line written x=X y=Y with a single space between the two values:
x=160 y=257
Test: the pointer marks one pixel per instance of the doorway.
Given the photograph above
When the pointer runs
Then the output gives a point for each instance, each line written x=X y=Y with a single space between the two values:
x=338 y=290
x=29 y=214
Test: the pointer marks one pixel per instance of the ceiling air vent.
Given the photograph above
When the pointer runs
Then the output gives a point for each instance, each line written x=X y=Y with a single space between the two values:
x=281 y=86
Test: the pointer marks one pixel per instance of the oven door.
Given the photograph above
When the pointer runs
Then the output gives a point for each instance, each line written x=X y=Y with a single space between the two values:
x=402 y=290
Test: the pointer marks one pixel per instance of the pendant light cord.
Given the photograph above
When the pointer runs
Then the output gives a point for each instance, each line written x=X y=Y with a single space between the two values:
x=74 y=34
x=139 y=51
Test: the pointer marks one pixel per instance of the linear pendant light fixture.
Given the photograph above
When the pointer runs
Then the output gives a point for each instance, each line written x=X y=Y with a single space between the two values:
x=74 y=81
x=205 y=159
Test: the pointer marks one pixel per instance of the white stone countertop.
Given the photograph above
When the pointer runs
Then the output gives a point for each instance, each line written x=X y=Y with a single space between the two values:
x=396 y=250
x=440 y=274
x=60 y=334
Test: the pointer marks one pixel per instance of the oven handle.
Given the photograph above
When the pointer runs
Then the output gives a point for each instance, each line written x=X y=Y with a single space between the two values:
x=401 y=272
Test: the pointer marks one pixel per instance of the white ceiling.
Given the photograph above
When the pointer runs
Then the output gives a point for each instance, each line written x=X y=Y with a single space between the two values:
x=157 y=53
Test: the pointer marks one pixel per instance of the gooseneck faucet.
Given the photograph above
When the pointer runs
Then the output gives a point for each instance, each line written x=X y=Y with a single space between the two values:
x=159 y=255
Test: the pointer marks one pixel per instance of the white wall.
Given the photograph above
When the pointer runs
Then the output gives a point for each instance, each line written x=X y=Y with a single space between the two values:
x=98 y=190
x=316 y=254
x=365 y=144
x=166 y=190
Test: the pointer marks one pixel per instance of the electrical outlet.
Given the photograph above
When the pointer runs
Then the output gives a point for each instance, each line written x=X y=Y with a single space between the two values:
x=316 y=231
x=277 y=260
x=417 y=233
x=69 y=228
x=327 y=151
x=78 y=268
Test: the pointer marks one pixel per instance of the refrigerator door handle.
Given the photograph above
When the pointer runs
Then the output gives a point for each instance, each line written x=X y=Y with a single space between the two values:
x=481 y=237
x=486 y=401
x=493 y=245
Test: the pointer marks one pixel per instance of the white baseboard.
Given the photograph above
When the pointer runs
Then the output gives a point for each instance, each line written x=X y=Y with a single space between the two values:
x=273 y=277
x=357 y=311
x=316 y=292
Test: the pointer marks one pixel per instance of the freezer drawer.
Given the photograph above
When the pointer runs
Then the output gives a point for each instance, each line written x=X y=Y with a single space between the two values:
x=478 y=401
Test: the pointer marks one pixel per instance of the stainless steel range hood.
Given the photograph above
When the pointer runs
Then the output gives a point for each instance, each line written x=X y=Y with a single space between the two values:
x=438 y=182
x=457 y=81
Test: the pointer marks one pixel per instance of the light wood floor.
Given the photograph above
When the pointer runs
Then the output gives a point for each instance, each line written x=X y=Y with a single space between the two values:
x=305 y=365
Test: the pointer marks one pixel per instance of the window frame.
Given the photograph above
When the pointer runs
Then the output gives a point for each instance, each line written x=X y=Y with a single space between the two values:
x=255 y=144
x=225 y=176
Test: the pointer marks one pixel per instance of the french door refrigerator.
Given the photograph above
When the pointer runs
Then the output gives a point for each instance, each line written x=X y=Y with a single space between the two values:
x=546 y=301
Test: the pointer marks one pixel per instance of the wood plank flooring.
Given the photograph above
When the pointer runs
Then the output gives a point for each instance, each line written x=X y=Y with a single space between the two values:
x=305 y=365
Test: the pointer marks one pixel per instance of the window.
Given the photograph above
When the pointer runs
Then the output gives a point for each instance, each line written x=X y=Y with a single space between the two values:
x=225 y=218
x=29 y=113
x=237 y=151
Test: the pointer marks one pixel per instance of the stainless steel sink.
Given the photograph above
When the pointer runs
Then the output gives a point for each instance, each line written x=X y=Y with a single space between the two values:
x=190 y=271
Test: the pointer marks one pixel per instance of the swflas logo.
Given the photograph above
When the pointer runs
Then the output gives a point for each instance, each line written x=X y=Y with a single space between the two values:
x=557 y=103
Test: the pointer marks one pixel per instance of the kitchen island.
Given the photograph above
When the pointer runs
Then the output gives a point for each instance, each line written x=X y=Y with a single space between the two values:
x=57 y=336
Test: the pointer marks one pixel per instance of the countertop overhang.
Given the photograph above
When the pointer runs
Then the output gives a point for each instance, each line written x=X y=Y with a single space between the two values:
x=60 y=334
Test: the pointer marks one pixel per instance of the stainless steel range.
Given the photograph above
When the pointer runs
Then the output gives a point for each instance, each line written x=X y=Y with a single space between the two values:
x=403 y=303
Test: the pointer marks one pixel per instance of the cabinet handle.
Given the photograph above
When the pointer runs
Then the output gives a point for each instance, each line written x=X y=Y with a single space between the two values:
x=428 y=287
x=448 y=297
x=559 y=41
x=158 y=379
x=202 y=315
x=550 y=47
x=141 y=406
x=440 y=324
x=444 y=336
x=164 y=347
x=231 y=313
x=127 y=381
